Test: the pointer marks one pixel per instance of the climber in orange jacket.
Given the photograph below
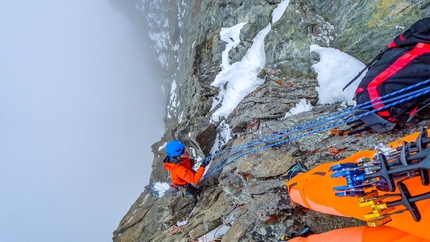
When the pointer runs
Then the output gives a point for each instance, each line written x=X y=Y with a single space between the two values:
x=314 y=190
x=179 y=164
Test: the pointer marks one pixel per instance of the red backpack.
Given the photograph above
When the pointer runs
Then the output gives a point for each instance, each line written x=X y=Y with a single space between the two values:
x=404 y=63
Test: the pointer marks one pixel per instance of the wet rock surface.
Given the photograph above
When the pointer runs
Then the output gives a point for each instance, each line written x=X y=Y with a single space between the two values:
x=249 y=194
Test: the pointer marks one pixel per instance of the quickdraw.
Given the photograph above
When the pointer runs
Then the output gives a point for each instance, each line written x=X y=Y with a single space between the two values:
x=386 y=172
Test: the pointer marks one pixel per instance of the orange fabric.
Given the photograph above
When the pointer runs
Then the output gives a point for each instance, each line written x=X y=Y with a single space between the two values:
x=360 y=234
x=389 y=234
x=182 y=173
x=314 y=190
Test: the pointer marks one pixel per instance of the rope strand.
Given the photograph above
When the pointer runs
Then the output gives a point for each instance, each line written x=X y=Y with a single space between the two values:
x=245 y=149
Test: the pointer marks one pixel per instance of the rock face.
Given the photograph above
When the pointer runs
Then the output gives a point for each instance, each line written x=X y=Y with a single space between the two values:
x=249 y=194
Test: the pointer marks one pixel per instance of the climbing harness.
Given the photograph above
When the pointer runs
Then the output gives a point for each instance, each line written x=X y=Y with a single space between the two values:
x=317 y=125
x=387 y=172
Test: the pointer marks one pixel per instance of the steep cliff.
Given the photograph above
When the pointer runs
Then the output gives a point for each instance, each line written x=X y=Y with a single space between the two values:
x=249 y=194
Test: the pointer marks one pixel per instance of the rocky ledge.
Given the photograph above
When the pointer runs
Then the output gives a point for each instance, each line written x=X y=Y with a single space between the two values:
x=249 y=194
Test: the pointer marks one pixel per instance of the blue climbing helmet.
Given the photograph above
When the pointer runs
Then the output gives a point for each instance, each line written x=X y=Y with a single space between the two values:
x=174 y=148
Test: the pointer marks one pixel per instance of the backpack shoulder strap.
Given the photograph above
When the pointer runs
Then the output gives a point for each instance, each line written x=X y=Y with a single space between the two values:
x=370 y=64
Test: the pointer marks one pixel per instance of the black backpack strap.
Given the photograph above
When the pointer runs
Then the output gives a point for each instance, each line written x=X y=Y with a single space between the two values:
x=420 y=107
x=357 y=121
x=365 y=68
x=375 y=121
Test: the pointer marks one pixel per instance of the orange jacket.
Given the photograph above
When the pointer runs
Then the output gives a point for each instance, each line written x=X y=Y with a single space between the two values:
x=181 y=171
x=314 y=190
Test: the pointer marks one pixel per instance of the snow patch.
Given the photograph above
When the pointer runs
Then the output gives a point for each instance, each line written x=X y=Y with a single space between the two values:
x=239 y=79
x=159 y=188
x=335 y=70
x=279 y=10
x=302 y=106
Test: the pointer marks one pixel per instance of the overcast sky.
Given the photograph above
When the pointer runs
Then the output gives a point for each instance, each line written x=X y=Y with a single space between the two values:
x=80 y=106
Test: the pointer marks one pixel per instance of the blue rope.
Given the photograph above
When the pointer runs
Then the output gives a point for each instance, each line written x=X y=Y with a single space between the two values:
x=415 y=94
x=423 y=91
x=397 y=99
x=330 y=117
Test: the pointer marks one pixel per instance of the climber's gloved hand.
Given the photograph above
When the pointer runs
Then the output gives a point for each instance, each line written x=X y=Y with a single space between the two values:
x=192 y=162
x=205 y=163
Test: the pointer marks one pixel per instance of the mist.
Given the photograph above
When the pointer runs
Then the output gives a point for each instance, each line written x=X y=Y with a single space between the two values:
x=80 y=106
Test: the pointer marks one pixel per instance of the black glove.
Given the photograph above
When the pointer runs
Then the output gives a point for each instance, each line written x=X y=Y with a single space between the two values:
x=205 y=163
x=192 y=162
